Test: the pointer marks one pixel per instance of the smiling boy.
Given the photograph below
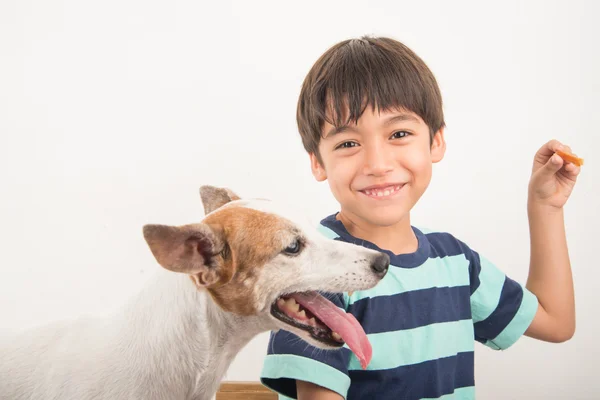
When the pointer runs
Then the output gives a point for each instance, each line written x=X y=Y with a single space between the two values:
x=370 y=117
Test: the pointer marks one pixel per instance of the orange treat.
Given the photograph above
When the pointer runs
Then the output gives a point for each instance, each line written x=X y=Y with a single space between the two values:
x=570 y=158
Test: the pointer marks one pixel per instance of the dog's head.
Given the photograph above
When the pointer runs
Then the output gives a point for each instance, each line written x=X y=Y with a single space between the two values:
x=257 y=260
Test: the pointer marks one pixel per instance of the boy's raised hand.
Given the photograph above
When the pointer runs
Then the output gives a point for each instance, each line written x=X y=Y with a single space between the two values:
x=552 y=179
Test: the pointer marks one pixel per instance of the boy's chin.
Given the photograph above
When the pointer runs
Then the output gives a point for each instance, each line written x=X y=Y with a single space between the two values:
x=385 y=217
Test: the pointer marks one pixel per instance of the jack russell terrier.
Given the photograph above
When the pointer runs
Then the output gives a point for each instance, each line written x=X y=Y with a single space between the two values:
x=246 y=268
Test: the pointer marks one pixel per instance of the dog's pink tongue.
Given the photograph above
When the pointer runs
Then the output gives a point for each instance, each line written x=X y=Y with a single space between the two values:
x=338 y=321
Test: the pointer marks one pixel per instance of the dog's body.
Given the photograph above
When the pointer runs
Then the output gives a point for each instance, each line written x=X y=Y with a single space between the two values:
x=174 y=341
x=159 y=346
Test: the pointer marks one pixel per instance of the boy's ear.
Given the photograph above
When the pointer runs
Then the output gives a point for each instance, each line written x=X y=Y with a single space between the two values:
x=214 y=197
x=318 y=170
x=438 y=146
x=191 y=249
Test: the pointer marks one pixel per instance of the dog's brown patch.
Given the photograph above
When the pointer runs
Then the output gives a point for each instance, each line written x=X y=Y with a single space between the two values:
x=252 y=239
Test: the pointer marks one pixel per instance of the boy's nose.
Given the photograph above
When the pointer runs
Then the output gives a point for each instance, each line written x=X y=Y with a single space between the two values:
x=377 y=162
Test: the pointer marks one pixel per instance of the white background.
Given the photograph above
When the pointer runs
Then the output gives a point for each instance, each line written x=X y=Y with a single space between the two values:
x=113 y=113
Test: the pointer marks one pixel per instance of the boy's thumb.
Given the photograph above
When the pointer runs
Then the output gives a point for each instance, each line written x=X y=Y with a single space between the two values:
x=552 y=166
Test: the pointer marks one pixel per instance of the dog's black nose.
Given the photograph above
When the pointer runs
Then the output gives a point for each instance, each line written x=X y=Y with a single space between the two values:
x=381 y=264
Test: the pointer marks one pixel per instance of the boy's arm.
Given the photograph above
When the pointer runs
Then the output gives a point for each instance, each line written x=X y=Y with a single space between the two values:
x=550 y=277
x=310 y=391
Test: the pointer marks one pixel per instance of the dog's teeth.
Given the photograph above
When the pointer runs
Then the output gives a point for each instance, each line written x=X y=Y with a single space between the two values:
x=280 y=302
x=336 y=336
x=292 y=305
x=312 y=321
x=302 y=314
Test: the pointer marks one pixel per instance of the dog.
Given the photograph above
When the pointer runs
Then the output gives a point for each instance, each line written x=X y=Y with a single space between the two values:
x=248 y=267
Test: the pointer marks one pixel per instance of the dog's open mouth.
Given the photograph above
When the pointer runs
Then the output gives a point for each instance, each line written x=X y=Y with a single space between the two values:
x=289 y=311
x=324 y=321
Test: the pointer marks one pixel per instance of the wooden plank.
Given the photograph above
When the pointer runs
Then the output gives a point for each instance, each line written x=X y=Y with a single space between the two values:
x=244 y=391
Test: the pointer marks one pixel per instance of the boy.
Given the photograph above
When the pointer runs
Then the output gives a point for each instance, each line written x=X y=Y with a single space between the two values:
x=370 y=116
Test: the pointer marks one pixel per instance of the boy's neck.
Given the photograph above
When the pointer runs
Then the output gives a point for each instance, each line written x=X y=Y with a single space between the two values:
x=398 y=238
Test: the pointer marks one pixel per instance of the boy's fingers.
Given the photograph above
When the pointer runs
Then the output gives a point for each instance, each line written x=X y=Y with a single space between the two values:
x=572 y=170
x=552 y=166
x=550 y=148
x=546 y=152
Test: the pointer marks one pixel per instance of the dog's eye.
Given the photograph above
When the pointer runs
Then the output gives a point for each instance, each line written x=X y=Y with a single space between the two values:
x=293 y=248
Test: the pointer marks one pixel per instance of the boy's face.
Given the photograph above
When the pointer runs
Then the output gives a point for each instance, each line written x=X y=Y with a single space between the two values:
x=378 y=168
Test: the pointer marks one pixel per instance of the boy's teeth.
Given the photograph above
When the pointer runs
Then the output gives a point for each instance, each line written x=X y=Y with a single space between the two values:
x=382 y=193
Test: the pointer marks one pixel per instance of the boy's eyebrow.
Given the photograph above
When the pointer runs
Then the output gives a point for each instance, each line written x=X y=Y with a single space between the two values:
x=399 y=118
x=388 y=121
x=335 y=130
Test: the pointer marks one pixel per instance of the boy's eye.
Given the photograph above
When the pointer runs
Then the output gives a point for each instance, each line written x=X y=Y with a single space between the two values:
x=347 y=145
x=399 y=134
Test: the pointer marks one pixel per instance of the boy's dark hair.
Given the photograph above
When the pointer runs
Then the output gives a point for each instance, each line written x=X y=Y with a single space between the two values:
x=355 y=73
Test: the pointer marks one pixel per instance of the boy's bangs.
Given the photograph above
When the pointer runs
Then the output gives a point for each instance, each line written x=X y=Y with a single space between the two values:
x=363 y=75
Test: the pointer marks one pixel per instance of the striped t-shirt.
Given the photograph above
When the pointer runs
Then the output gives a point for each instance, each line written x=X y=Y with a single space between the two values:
x=422 y=321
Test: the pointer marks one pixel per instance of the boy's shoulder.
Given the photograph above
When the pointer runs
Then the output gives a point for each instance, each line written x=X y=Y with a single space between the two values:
x=444 y=243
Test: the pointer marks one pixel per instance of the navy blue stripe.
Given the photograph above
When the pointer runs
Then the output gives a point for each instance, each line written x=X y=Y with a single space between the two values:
x=433 y=378
x=508 y=306
x=480 y=339
x=412 y=309
x=444 y=245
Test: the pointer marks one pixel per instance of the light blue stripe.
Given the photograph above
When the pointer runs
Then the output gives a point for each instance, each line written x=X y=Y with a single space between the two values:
x=465 y=393
x=278 y=366
x=328 y=233
x=518 y=325
x=413 y=346
x=449 y=271
x=487 y=296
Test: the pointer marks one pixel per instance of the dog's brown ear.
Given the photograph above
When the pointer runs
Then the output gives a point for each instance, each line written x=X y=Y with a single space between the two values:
x=192 y=249
x=214 y=197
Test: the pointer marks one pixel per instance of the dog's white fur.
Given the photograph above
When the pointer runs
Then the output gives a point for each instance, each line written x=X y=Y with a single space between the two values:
x=171 y=340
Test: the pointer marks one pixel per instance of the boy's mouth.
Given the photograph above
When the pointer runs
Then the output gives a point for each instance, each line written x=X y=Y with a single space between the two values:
x=382 y=192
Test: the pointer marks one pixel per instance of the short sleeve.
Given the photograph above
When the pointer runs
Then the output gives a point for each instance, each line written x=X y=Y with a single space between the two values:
x=289 y=358
x=501 y=308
